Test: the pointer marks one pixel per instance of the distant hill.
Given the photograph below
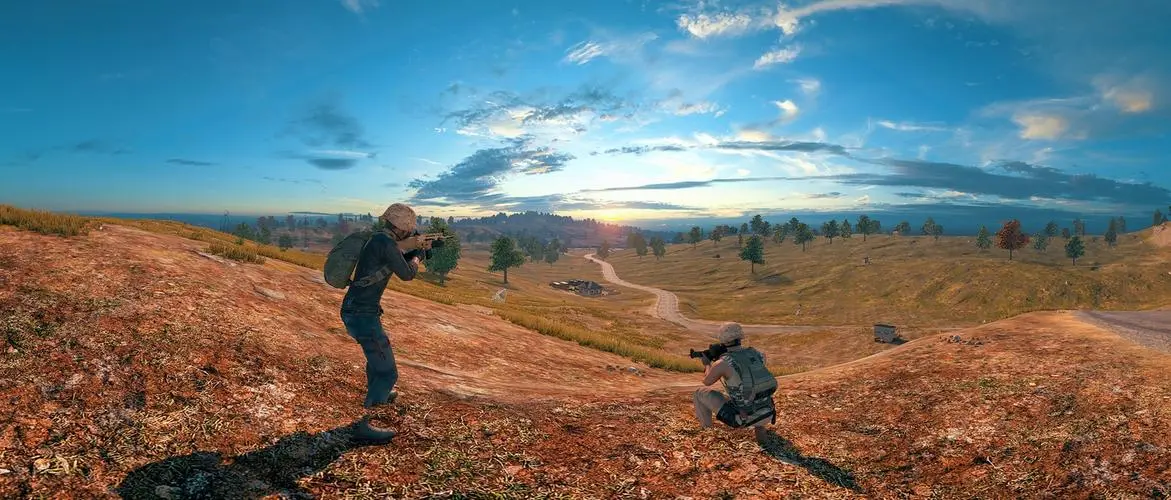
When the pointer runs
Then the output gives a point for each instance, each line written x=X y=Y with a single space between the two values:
x=546 y=226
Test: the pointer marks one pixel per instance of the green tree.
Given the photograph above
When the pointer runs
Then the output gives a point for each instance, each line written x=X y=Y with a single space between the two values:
x=830 y=229
x=604 y=250
x=285 y=242
x=937 y=231
x=695 y=236
x=1011 y=238
x=444 y=259
x=505 y=255
x=743 y=228
x=1111 y=235
x=1079 y=227
x=753 y=252
x=1159 y=218
x=1121 y=228
x=659 y=247
x=846 y=231
x=983 y=241
x=1051 y=229
x=865 y=226
x=1074 y=249
x=802 y=235
x=928 y=228
x=757 y=224
x=780 y=231
x=1040 y=242
x=636 y=241
x=554 y=248
x=716 y=235
x=904 y=228
x=243 y=230
x=1065 y=233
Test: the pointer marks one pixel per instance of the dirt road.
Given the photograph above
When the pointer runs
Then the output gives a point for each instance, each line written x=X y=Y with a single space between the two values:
x=1151 y=329
x=667 y=307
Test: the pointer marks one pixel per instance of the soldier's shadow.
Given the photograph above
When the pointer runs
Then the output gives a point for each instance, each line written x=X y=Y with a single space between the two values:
x=782 y=449
x=271 y=470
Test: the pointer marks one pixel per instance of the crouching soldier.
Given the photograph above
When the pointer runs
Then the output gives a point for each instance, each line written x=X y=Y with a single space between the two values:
x=749 y=385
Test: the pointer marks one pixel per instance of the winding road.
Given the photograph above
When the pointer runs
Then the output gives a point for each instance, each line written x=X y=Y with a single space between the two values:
x=667 y=308
x=1151 y=329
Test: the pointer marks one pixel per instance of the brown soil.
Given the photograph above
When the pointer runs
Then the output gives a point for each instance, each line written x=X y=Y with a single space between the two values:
x=136 y=366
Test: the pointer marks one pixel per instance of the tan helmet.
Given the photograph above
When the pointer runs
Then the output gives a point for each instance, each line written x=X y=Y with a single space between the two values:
x=731 y=332
x=400 y=216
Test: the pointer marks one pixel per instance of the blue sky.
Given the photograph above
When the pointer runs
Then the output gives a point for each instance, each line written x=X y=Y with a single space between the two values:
x=636 y=111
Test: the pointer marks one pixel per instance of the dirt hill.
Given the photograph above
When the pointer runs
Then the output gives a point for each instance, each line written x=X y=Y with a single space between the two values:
x=137 y=366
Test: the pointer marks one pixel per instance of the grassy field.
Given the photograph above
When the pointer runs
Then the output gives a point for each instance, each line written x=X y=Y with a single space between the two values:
x=911 y=281
x=617 y=322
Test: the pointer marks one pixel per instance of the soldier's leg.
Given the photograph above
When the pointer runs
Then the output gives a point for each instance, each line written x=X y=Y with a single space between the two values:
x=707 y=401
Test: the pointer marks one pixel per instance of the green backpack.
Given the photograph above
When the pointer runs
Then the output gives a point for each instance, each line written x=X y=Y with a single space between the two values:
x=343 y=259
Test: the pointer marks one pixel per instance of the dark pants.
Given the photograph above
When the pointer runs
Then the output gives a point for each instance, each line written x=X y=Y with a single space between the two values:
x=381 y=372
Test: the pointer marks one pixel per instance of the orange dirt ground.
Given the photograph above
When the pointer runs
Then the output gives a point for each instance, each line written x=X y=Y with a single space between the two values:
x=135 y=366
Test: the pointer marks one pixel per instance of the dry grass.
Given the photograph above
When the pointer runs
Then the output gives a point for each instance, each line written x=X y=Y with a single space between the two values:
x=235 y=252
x=599 y=323
x=912 y=281
x=45 y=222
x=304 y=259
x=601 y=341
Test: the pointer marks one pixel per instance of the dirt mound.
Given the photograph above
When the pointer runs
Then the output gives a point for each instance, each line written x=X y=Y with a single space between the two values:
x=1161 y=235
x=136 y=366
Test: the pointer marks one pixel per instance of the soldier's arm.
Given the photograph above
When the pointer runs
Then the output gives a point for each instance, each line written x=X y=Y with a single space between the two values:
x=714 y=372
x=400 y=265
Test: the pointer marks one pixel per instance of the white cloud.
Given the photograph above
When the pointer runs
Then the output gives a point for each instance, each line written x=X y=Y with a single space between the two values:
x=740 y=172
x=910 y=127
x=753 y=135
x=721 y=24
x=342 y=153
x=783 y=55
x=809 y=86
x=1131 y=96
x=626 y=48
x=701 y=107
x=789 y=110
x=1040 y=126
x=923 y=150
x=357 y=6
x=862 y=200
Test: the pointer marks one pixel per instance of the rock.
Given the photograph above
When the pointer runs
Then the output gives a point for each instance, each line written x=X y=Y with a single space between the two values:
x=5 y=471
x=272 y=294
x=168 y=492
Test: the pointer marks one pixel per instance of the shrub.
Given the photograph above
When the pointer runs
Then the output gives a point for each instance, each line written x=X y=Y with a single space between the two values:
x=239 y=253
x=45 y=222
x=599 y=341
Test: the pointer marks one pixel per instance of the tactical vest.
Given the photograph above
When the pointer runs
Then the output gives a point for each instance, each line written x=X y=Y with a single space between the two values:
x=750 y=388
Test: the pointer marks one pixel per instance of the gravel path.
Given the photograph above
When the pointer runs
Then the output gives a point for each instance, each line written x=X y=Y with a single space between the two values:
x=667 y=307
x=1150 y=329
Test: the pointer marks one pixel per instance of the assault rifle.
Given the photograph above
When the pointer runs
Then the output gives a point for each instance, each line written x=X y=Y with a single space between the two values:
x=713 y=352
x=421 y=244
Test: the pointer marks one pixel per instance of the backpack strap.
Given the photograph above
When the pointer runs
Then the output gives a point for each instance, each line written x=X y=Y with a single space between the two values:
x=374 y=277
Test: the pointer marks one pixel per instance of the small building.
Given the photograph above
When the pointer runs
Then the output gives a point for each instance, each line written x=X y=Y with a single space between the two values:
x=885 y=333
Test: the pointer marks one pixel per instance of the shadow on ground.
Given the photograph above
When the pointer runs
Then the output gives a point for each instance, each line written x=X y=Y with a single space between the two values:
x=784 y=450
x=267 y=471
